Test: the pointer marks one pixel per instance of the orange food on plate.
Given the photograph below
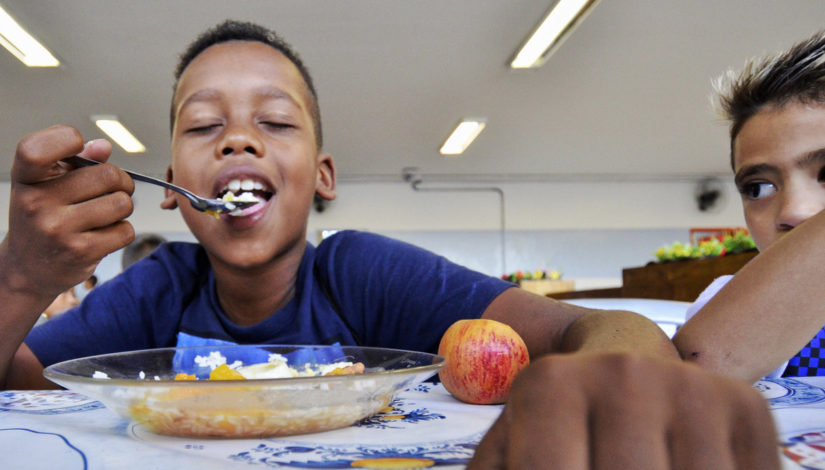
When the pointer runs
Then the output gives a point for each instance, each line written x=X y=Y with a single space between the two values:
x=357 y=368
x=223 y=372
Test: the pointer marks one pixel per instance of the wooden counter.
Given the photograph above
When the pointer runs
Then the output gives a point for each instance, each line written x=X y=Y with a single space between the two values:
x=673 y=280
x=679 y=280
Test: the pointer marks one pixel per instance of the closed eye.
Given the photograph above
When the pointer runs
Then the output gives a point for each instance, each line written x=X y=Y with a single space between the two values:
x=277 y=125
x=202 y=129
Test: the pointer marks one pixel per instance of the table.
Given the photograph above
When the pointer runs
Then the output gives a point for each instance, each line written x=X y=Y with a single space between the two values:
x=65 y=430
x=424 y=426
x=798 y=407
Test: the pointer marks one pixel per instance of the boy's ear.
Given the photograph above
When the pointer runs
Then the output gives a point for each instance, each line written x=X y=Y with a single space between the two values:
x=325 y=179
x=169 y=200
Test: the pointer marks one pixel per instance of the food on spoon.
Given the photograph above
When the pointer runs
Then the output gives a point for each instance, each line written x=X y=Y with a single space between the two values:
x=229 y=197
x=483 y=359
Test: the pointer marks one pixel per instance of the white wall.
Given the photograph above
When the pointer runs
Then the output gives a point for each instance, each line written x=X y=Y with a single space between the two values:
x=589 y=230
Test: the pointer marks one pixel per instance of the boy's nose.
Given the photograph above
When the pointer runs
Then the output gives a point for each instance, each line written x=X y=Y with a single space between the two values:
x=798 y=206
x=239 y=140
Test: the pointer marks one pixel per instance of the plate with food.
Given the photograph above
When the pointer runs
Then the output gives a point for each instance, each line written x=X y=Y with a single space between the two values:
x=244 y=391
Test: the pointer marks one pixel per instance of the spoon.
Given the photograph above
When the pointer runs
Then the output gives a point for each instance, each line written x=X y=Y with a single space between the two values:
x=210 y=206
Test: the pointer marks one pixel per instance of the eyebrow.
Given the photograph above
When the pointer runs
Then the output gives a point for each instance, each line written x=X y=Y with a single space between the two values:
x=211 y=94
x=277 y=94
x=751 y=170
x=207 y=94
x=810 y=158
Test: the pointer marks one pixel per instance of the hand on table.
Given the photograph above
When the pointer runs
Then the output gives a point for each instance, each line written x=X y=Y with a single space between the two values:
x=620 y=411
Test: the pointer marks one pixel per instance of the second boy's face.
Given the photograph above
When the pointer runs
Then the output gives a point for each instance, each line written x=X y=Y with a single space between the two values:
x=243 y=124
x=779 y=162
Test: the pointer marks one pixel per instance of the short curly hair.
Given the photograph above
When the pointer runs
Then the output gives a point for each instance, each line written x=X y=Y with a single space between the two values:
x=796 y=74
x=233 y=30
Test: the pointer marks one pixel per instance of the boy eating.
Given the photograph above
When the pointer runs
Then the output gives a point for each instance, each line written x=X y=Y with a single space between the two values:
x=245 y=118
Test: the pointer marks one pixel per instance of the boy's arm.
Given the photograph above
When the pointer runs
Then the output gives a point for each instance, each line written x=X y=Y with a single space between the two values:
x=618 y=398
x=771 y=308
x=61 y=224
x=550 y=326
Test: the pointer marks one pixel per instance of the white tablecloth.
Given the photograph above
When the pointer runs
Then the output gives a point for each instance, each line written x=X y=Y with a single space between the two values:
x=424 y=426
x=55 y=430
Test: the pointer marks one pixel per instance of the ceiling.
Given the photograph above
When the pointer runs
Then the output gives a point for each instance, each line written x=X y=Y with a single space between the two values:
x=625 y=97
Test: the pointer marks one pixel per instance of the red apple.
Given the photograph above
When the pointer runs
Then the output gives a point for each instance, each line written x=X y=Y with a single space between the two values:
x=483 y=359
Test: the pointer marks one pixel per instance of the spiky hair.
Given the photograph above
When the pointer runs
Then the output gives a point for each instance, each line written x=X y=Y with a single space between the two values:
x=796 y=74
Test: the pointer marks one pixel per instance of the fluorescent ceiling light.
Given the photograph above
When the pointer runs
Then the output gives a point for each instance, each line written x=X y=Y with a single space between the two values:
x=118 y=132
x=22 y=45
x=462 y=136
x=553 y=30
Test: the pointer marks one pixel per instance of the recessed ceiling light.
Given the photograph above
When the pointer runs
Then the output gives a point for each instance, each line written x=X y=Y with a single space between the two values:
x=22 y=45
x=553 y=30
x=462 y=136
x=118 y=132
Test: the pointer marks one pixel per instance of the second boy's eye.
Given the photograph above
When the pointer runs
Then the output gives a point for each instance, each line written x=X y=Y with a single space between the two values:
x=757 y=190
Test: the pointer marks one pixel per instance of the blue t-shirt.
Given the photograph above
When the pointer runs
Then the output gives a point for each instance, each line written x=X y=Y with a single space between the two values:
x=355 y=288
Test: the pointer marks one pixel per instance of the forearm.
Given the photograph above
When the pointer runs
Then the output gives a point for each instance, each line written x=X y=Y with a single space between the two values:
x=21 y=309
x=550 y=326
x=772 y=307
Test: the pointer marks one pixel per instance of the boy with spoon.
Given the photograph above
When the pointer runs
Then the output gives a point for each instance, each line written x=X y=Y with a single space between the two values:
x=245 y=112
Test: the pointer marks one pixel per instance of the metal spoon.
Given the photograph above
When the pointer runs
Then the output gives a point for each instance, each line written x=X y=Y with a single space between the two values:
x=211 y=206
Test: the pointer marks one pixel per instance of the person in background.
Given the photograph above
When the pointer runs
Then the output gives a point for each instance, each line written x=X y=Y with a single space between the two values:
x=90 y=283
x=65 y=301
x=768 y=319
x=82 y=290
x=139 y=248
x=604 y=389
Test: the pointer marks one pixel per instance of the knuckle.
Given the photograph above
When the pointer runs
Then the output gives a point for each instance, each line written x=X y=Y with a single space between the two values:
x=121 y=203
x=30 y=203
x=51 y=227
x=628 y=370
x=32 y=145
x=79 y=247
x=127 y=233
x=547 y=372
x=110 y=175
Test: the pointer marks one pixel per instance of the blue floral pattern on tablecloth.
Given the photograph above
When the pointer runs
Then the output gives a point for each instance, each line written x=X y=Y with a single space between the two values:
x=409 y=433
x=789 y=392
x=46 y=403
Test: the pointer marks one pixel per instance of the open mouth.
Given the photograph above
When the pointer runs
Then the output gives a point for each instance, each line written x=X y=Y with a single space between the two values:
x=246 y=189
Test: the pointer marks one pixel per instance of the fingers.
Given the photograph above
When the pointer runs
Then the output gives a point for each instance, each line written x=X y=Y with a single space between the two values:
x=37 y=154
x=702 y=424
x=751 y=440
x=63 y=220
x=544 y=423
x=492 y=450
x=629 y=429
x=623 y=411
x=98 y=149
x=721 y=423
x=85 y=184
x=560 y=418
